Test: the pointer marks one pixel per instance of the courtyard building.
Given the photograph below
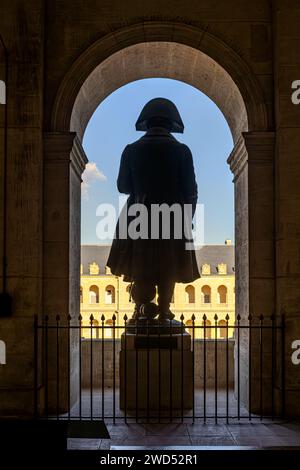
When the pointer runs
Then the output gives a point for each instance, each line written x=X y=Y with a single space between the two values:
x=102 y=293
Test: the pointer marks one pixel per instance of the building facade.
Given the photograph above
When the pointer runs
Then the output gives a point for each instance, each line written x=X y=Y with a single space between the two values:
x=102 y=293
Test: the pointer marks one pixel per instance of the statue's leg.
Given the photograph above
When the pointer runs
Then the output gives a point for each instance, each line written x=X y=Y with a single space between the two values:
x=142 y=293
x=165 y=293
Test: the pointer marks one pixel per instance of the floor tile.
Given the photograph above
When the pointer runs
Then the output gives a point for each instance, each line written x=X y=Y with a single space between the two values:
x=259 y=441
x=208 y=430
x=291 y=440
x=285 y=429
x=166 y=429
x=129 y=430
x=250 y=430
x=83 y=444
x=167 y=441
x=212 y=441
x=106 y=444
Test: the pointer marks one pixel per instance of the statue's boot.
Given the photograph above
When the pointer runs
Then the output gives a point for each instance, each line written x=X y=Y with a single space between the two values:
x=136 y=313
x=167 y=322
x=165 y=314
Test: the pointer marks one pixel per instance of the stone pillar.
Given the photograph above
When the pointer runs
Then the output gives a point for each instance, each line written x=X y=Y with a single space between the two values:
x=24 y=212
x=64 y=163
x=286 y=17
x=251 y=162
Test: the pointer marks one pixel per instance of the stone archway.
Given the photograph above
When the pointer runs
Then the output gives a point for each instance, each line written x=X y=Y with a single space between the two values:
x=202 y=60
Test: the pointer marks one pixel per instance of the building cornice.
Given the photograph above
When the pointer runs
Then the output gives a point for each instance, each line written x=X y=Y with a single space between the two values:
x=238 y=158
x=252 y=147
x=65 y=148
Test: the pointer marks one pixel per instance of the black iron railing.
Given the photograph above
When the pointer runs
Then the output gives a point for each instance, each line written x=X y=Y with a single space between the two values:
x=117 y=372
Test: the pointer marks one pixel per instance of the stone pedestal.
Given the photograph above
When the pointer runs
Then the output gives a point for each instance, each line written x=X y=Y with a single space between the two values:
x=156 y=372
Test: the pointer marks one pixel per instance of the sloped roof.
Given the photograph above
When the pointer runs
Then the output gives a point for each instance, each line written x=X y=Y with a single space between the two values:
x=208 y=254
x=214 y=255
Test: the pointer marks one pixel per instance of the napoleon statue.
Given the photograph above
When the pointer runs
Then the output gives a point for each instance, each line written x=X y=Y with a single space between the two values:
x=157 y=173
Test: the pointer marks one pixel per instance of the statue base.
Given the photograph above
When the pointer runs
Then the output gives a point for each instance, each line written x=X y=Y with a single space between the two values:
x=156 y=373
x=143 y=326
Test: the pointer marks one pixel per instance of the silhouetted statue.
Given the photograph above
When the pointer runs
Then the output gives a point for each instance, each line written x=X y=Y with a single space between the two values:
x=155 y=170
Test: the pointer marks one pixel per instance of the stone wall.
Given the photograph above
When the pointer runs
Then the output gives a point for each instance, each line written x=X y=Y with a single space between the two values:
x=255 y=42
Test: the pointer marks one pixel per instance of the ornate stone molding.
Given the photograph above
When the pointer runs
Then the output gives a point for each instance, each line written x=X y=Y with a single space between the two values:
x=78 y=157
x=252 y=147
x=238 y=158
x=58 y=144
x=65 y=147
x=260 y=146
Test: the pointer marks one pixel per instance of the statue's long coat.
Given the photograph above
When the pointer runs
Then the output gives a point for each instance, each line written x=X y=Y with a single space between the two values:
x=155 y=169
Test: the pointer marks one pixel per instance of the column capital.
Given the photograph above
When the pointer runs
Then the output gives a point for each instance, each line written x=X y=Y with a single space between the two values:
x=65 y=147
x=78 y=158
x=260 y=146
x=238 y=158
x=58 y=144
x=251 y=147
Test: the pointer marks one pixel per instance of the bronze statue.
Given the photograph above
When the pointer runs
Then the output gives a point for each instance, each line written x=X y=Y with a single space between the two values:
x=156 y=170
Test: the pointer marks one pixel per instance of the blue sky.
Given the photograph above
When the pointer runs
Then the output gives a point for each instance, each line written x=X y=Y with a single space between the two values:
x=112 y=127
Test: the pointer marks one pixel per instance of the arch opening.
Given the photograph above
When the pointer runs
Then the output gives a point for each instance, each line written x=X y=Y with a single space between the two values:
x=215 y=70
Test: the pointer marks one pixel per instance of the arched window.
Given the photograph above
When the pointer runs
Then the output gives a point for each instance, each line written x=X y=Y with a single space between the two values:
x=190 y=294
x=207 y=329
x=94 y=294
x=222 y=328
x=222 y=295
x=206 y=294
x=110 y=295
x=81 y=294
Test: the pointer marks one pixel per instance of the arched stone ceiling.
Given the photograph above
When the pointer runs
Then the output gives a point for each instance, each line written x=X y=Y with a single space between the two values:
x=165 y=60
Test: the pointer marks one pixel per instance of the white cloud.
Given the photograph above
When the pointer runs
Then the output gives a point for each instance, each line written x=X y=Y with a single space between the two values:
x=90 y=174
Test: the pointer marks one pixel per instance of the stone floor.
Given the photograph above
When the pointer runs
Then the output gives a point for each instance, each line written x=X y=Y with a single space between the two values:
x=153 y=434
x=177 y=434
x=111 y=406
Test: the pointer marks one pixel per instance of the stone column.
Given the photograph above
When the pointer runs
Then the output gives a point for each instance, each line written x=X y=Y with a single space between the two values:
x=24 y=212
x=251 y=162
x=64 y=163
x=286 y=18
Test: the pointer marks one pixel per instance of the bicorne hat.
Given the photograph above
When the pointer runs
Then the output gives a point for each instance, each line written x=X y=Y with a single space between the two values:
x=160 y=107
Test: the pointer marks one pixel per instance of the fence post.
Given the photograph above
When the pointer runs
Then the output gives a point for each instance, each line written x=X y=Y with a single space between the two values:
x=250 y=368
x=193 y=343
x=35 y=380
x=238 y=368
x=283 y=365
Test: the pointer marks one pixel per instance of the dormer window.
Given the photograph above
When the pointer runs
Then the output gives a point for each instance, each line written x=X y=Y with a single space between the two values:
x=94 y=268
x=222 y=268
x=205 y=269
